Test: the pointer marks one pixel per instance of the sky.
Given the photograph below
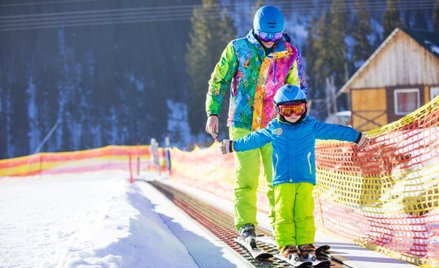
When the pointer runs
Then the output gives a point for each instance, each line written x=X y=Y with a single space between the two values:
x=95 y=220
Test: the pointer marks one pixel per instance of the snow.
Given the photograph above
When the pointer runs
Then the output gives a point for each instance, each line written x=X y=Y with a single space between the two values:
x=433 y=47
x=88 y=220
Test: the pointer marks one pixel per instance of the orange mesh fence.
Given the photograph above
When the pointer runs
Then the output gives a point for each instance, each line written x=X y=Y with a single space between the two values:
x=210 y=171
x=205 y=169
x=385 y=197
x=105 y=158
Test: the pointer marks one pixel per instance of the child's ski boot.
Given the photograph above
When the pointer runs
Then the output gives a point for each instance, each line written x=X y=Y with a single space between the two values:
x=306 y=252
x=288 y=252
x=289 y=255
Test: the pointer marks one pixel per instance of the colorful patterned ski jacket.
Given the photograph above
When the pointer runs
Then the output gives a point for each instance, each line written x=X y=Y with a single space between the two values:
x=293 y=146
x=253 y=79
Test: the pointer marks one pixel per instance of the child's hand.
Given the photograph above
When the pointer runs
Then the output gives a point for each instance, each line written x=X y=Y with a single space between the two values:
x=226 y=146
x=363 y=142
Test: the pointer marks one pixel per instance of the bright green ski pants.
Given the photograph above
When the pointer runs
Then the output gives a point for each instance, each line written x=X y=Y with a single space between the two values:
x=247 y=167
x=294 y=205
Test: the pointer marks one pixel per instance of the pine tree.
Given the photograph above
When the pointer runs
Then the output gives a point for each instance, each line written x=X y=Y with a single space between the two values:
x=329 y=55
x=336 y=44
x=436 y=15
x=338 y=62
x=321 y=66
x=309 y=51
x=391 y=18
x=310 y=54
x=212 y=29
x=317 y=64
x=362 y=29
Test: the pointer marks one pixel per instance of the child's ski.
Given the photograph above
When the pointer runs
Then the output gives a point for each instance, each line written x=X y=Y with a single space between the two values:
x=323 y=252
x=295 y=261
x=255 y=252
x=320 y=260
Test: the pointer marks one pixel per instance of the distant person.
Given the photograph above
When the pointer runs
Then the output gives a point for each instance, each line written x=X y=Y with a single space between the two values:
x=293 y=136
x=253 y=67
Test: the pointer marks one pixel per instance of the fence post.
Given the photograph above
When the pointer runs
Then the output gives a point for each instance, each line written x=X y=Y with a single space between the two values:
x=168 y=154
x=155 y=154
x=131 y=171
x=138 y=159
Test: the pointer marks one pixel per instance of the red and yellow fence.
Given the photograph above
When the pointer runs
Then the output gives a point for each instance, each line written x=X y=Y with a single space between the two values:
x=385 y=197
x=127 y=158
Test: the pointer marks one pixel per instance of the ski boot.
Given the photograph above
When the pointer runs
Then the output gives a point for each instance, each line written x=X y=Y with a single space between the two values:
x=247 y=239
x=290 y=255
x=306 y=252
x=247 y=233
x=289 y=252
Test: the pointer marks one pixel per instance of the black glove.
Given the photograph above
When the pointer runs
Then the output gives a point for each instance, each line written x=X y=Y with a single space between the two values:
x=226 y=146
x=363 y=142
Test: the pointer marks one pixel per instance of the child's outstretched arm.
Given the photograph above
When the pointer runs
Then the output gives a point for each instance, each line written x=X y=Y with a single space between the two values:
x=249 y=142
x=327 y=131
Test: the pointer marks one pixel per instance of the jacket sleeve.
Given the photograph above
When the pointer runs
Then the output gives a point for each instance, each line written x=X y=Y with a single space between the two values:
x=253 y=140
x=325 y=131
x=220 y=80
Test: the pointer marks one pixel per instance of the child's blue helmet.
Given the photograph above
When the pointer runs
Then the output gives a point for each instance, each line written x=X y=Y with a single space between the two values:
x=289 y=93
x=268 y=19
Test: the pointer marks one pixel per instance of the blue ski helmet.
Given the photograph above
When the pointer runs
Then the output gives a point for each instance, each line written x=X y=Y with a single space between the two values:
x=268 y=19
x=289 y=93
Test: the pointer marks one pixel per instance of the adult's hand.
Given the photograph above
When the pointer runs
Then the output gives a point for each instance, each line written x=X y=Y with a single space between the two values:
x=212 y=126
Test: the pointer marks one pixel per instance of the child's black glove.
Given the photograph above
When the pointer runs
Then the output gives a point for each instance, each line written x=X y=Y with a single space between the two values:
x=226 y=146
x=363 y=142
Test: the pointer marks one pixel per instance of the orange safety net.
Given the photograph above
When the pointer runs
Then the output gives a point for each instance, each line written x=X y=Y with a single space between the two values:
x=385 y=197
x=209 y=170
x=129 y=158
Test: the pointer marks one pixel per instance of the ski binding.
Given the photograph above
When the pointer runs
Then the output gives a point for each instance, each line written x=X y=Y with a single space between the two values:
x=255 y=252
x=320 y=260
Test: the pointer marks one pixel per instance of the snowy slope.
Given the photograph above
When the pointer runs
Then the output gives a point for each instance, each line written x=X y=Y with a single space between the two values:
x=92 y=220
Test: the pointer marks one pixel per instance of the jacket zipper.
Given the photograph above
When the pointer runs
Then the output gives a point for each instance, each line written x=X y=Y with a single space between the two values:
x=309 y=163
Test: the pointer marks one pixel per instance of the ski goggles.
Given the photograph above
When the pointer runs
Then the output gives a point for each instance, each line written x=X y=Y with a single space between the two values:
x=294 y=108
x=269 y=37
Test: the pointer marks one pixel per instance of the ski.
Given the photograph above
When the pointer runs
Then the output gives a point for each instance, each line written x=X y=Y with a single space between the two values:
x=323 y=252
x=266 y=239
x=320 y=260
x=255 y=252
x=294 y=261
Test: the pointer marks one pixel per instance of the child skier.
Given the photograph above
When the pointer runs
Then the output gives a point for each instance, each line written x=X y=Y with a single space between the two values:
x=293 y=136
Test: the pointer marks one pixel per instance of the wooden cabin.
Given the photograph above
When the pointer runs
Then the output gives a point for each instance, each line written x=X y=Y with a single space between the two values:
x=399 y=77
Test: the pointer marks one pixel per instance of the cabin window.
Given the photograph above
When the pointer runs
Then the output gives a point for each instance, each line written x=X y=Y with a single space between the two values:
x=434 y=91
x=406 y=100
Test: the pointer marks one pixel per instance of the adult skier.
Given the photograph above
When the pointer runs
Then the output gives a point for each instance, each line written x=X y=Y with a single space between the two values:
x=253 y=67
